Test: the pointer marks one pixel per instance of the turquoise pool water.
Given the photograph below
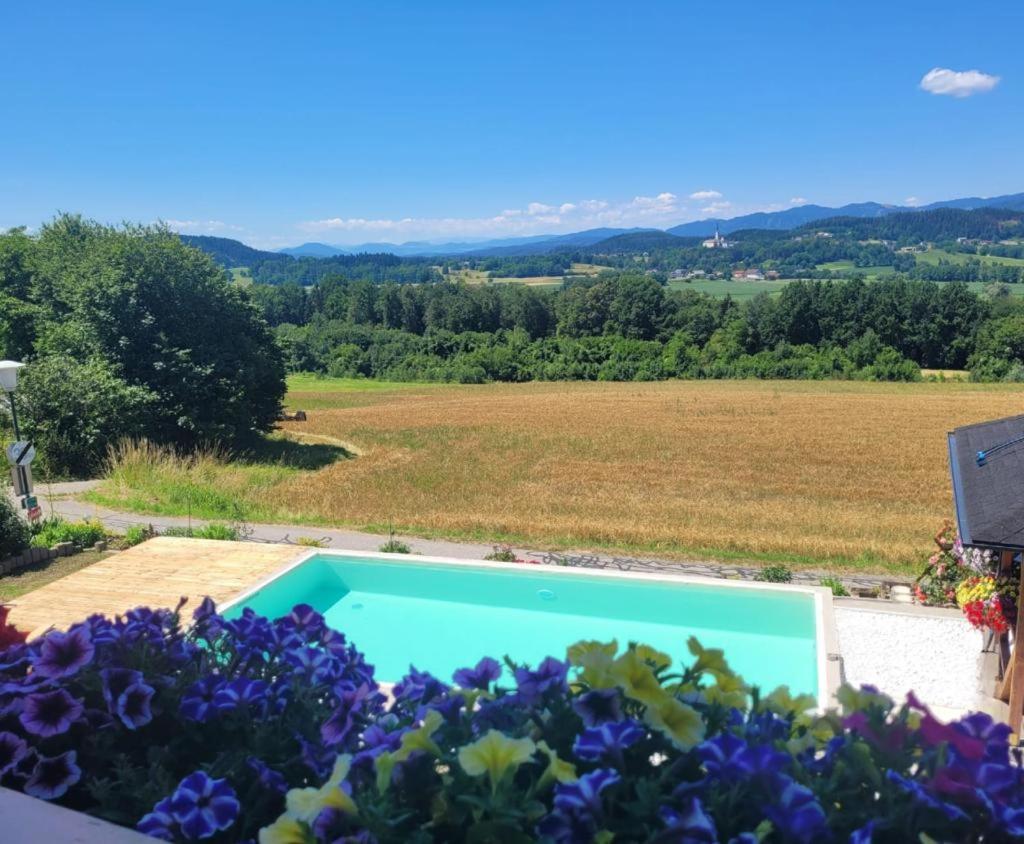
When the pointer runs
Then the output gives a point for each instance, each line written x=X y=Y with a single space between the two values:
x=440 y=617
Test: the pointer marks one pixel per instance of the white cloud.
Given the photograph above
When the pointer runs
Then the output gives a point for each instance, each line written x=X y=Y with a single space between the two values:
x=798 y=200
x=705 y=195
x=715 y=208
x=957 y=83
x=538 y=217
x=911 y=200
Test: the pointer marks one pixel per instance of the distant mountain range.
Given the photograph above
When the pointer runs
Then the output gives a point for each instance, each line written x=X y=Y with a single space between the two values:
x=233 y=253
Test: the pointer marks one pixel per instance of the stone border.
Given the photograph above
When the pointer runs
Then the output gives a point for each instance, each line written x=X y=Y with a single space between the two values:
x=31 y=556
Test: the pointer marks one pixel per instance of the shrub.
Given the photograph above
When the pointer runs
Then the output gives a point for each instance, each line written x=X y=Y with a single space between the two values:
x=228 y=533
x=14 y=531
x=839 y=590
x=394 y=546
x=310 y=542
x=135 y=535
x=74 y=411
x=502 y=554
x=140 y=722
x=84 y=534
x=775 y=574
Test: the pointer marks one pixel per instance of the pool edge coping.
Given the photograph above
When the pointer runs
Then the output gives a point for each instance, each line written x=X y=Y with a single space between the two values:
x=825 y=632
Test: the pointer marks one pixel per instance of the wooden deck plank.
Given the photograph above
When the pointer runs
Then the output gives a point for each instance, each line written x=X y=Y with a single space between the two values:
x=156 y=573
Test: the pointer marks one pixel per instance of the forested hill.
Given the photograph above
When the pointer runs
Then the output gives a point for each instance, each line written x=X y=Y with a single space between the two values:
x=933 y=226
x=228 y=252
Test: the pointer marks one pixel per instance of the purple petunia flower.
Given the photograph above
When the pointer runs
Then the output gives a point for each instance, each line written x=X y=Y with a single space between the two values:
x=729 y=758
x=160 y=822
x=240 y=693
x=577 y=808
x=486 y=671
x=562 y=828
x=304 y=623
x=598 y=706
x=208 y=623
x=52 y=776
x=383 y=736
x=864 y=834
x=267 y=777
x=607 y=741
x=993 y=734
x=50 y=713
x=115 y=681
x=532 y=685
x=203 y=806
x=63 y=654
x=12 y=750
x=315 y=756
x=797 y=813
x=314 y=664
x=691 y=826
x=583 y=796
x=923 y=798
x=197 y=700
x=133 y=705
x=334 y=642
x=342 y=721
x=419 y=687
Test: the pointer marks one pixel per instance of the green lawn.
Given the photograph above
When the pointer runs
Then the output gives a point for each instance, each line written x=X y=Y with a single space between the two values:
x=726 y=287
x=933 y=256
x=241 y=276
x=847 y=266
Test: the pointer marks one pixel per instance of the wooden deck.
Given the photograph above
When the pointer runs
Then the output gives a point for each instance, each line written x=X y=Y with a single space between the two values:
x=156 y=573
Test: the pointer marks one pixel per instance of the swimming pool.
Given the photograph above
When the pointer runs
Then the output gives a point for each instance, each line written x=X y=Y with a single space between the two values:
x=441 y=614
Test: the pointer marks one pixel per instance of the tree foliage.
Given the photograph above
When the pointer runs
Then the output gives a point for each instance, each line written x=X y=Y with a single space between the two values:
x=132 y=328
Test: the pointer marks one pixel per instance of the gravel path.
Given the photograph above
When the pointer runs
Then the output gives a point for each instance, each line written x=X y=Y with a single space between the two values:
x=61 y=499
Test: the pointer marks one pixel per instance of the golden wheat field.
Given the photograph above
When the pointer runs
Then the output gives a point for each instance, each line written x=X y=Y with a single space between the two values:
x=813 y=470
x=841 y=473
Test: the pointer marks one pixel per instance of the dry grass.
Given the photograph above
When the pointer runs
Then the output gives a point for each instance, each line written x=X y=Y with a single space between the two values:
x=846 y=474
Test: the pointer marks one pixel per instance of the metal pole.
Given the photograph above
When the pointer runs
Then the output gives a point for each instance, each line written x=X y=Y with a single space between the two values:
x=14 y=415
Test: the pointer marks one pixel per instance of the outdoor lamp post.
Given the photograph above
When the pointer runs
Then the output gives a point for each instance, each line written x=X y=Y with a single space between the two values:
x=9 y=383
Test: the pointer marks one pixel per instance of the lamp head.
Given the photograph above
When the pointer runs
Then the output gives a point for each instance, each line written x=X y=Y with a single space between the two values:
x=9 y=375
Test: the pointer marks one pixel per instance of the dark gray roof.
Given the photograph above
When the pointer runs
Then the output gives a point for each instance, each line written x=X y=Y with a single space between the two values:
x=989 y=492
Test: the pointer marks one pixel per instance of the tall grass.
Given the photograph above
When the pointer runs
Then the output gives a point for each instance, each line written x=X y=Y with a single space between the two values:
x=207 y=484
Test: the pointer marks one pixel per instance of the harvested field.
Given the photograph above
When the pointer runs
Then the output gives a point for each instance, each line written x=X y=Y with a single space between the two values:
x=836 y=473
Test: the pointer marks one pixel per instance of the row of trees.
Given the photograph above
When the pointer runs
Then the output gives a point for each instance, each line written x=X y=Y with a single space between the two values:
x=935 y=326
x=129 y=332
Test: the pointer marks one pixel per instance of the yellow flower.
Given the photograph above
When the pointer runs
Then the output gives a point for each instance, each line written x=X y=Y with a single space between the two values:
x=384 y=765
x=595 y=659
x=420 y=738
x=709 y=660
x=681 y=723
x=729 y=690
x=636 y=678
x=495 y=755
x=558 y=770
x=286 y=830
x=781 y=702
x=817 y=732
x=649 y=654
x=576 y=652
x=304 y=804
x=851 y=699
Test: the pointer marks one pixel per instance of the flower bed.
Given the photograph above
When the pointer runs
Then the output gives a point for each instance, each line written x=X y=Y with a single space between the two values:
x=968 y=578
x=276 y=731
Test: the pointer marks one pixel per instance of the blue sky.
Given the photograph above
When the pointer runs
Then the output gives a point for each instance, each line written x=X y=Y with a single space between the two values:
x=277 y=123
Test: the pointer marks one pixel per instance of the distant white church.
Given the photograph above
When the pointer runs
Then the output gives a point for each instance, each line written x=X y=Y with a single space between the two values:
x=716 y=242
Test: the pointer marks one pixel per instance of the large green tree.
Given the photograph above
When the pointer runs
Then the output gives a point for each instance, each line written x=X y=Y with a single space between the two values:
x=159 y=316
